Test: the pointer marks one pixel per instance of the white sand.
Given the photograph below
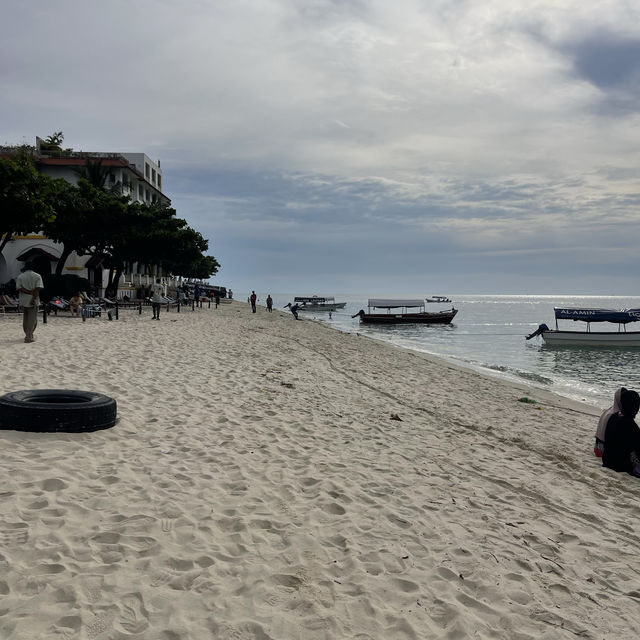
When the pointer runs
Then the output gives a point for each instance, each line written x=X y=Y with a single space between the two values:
x=256 y=487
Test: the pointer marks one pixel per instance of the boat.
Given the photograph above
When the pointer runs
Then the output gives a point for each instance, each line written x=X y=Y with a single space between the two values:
x=405 y=315
x=318 y=303
x=619 y=338
x=438 y=299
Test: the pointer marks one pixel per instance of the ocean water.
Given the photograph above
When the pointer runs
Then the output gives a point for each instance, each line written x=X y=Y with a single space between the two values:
x=488 y=335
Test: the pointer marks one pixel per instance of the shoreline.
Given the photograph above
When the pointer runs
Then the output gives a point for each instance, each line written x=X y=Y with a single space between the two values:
x=276 y=479
x=526 y=388
x=488 y=336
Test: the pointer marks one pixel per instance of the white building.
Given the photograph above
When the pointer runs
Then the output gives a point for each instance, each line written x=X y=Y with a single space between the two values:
x=135 y=175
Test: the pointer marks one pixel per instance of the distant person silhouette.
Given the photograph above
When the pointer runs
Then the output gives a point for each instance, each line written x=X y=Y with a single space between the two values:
x=294 y=309
x=29 y=283
x=157 y=293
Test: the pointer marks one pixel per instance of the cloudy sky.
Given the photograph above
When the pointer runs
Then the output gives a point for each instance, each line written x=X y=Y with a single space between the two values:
x=359 y=146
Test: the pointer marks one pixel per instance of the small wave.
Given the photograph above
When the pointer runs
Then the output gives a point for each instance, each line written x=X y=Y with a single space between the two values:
x=527 y=375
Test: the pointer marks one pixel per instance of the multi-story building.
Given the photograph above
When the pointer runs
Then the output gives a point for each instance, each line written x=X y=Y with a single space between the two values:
x=133 y=174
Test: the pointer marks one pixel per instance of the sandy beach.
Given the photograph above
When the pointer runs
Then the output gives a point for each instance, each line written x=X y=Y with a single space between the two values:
x=278 y=480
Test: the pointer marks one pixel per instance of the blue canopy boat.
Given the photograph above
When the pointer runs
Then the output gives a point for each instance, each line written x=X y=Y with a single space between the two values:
x=621 y=337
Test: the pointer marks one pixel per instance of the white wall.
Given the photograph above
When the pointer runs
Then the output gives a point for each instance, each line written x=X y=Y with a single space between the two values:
x=148 y=168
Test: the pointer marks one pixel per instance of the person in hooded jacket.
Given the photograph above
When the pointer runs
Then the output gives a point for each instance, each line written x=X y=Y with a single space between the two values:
x=598 y=447
x=622 y=437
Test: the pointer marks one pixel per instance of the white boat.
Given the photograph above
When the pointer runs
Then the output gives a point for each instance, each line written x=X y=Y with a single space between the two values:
x=406 y=315
x=318 y=303
x=619 y=338
x=438 y=299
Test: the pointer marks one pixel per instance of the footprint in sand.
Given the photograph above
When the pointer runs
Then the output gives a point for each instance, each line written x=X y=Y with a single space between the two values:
x=133 y=618
x=131 y=524
x=53 y=484
x=405 y=585
x=12 y=533
x=49 y=569
x=166 y=524
x=241 y=631
x=92 y=587
x=287 y=580
x=72 y=623
x=334 y=509
x=99 y=625
x=160 y=578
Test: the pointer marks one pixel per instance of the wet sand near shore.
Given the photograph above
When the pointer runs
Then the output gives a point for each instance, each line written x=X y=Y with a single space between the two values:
x=274 y=479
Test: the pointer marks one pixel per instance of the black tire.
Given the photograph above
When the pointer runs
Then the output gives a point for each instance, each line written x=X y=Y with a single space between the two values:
x=41 y=410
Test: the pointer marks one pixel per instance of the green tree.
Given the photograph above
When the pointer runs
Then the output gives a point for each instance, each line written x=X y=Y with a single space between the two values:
x=94 y=173
x=25 y=198
x=53 y=142
x=86 y=218
x=187 y=257
x=154 y=235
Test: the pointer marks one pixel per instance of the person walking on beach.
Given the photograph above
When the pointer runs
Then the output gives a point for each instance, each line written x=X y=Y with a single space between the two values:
x=29 y=283
x=598 y=448
x=157 y=291
x=269 y=303
x=196 y=295
x=253 y=299
x=622 y=437
x=294 y=309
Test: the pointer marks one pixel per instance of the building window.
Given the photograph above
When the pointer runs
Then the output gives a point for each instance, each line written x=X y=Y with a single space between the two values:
x=148 y=195
x=159 y=182
x=112 y=178
x=146 y=170
x=153 y=176
x=140 y=192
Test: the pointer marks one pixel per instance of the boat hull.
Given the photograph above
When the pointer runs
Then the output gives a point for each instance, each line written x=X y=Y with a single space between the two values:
x=440 y=317
x=322 y=307
x=592 y=338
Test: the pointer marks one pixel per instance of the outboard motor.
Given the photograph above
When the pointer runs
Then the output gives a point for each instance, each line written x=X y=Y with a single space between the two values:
x=360 y=313
x=538 y=332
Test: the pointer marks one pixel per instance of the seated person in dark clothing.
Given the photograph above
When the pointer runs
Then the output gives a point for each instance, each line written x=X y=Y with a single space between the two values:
x=622 y=437
x=598 y=448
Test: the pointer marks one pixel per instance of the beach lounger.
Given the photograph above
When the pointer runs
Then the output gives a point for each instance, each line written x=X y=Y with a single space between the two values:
x=7 y=304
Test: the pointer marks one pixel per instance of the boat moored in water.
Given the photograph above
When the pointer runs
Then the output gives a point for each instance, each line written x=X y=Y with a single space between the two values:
x=438 y=299
x=406 y=315
x=619 y=338
x=318 y=303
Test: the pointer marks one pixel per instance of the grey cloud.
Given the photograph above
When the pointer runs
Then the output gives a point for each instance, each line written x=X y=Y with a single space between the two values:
x=353 y=141
x=610 y=62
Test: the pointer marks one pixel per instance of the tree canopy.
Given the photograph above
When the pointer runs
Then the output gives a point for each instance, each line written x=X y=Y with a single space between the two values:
x=25 y=198
x=88 y=219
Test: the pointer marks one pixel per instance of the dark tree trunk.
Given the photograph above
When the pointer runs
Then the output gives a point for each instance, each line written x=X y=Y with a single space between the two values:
x=109 y=287
x=3 y=243
x=114 y=278
x=62 y=260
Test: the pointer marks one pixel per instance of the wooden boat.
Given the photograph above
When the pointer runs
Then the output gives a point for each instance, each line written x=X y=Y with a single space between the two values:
x=405 y=316
x=619 y=338
x=318 y=303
